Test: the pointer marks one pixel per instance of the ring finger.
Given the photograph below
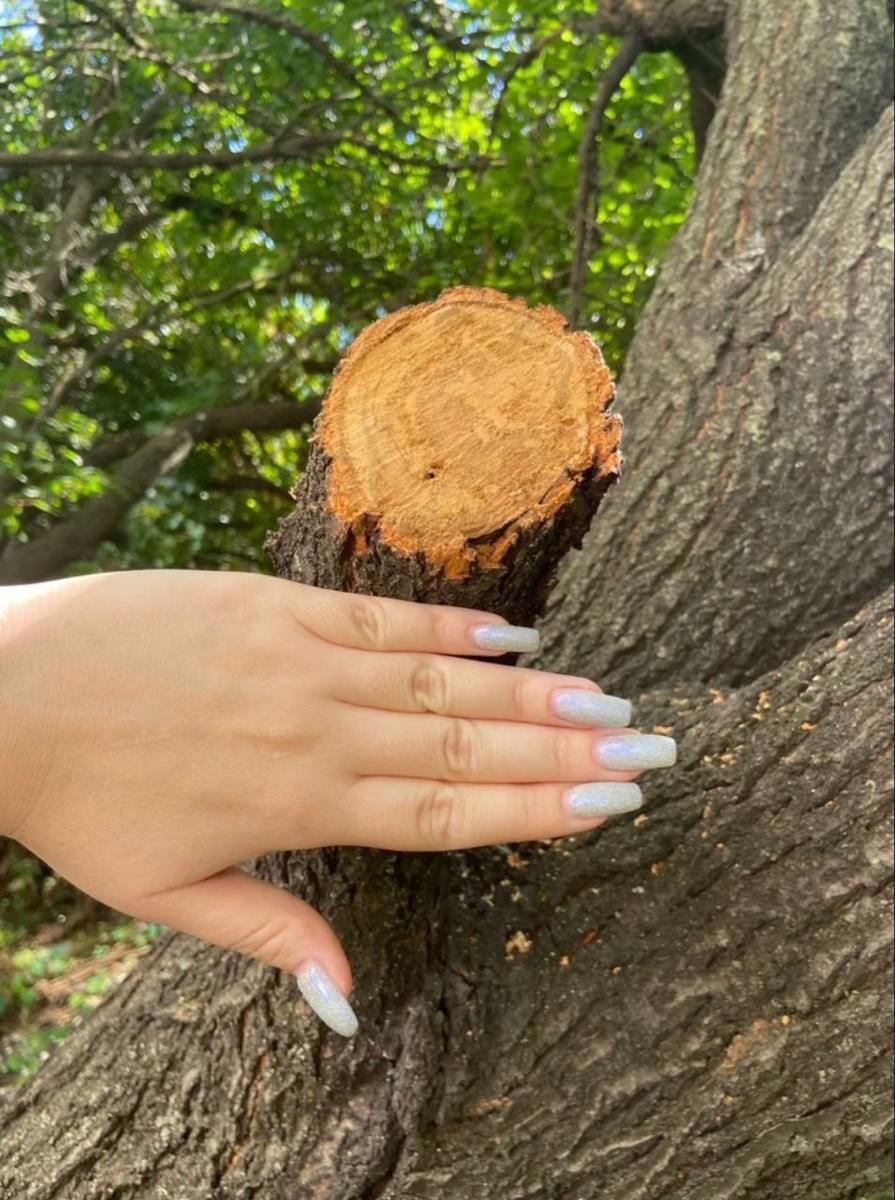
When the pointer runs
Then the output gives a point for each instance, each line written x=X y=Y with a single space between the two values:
x=418 y=814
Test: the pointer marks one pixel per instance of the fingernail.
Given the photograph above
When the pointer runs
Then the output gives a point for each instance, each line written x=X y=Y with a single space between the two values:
x=603 y=799
x=636 y=752
x=591 y=708
x=326 y=999
x=516 y=639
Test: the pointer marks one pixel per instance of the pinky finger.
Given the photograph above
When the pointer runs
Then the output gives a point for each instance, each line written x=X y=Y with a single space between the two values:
x=426 y=814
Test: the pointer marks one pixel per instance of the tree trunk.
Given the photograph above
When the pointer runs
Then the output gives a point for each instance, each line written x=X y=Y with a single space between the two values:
x=691 y=1005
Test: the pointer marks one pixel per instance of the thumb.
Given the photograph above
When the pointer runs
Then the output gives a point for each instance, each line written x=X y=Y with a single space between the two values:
x=237 y=911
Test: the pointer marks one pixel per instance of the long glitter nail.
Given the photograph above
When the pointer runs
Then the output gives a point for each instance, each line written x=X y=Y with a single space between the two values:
x=327 y=999
x=591 y=708
x=635 y=752
x=603 y=799
x=509 y=639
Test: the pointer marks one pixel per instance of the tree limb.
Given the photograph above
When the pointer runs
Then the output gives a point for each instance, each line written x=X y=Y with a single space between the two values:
x=43 y=23
x=116 y=448
x=85 y=190
x=588 y=165
x=287 y=146
x=105 y=244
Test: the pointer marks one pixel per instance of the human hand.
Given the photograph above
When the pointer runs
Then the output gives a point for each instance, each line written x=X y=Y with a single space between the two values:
x=160 y=727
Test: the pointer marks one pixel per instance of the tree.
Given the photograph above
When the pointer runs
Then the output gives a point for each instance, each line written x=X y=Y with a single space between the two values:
x=698 y=1004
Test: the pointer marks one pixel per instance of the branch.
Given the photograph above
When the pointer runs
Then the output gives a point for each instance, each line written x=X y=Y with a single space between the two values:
x=271 y=20
x=112 y=451
x=105 y=244
x=624 y=59
x=210 y=426
x=182 y=71
x=79 y=535
x=129 y=160
x=41 y=23
x=288 y=145
x=89 y=186
x=107 y=453
x=315 y=42
x=86 y=189
x=247 y=483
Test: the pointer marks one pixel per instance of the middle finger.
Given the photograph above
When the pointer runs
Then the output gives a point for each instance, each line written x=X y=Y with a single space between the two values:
x=428 y=746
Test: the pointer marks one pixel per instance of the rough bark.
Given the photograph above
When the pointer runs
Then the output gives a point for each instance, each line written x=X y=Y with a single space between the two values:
x=698 y=1006
x=756 y=504
x=704 y=1011
x=694 y=1004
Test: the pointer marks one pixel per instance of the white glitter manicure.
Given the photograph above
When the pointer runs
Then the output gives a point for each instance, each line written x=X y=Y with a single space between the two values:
x=511 y=639
x=591 y=708
x=603 y=799
x=636 y=752
x=326 y=999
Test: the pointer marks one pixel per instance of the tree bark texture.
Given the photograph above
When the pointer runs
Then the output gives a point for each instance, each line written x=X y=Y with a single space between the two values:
x=756 y=507
x=694 y=1004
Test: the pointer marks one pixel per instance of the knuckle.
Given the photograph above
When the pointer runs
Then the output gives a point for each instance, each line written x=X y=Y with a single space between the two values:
x=459 y=748
x=429 y=687
x=566 y=754
x=521 y=695
x=532 y=811
x=268 y=942
x=443 y=626
x=440 y=817
x=370 y=622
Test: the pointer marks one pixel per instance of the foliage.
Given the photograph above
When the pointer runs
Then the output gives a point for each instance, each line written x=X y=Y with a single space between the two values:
x=48 y=981
x=341 y=160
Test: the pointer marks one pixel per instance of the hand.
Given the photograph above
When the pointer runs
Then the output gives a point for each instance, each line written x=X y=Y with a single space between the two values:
x=161 y=726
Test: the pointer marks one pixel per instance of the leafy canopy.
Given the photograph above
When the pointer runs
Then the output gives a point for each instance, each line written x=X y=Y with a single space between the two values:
x=202 y=202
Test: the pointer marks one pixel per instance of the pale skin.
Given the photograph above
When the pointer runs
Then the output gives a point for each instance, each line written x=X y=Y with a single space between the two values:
x=160 y=727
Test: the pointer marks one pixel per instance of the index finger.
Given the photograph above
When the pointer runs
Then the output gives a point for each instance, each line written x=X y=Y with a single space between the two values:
x=376 y=623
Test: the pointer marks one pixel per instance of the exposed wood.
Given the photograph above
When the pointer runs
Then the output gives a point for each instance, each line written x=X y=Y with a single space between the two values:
x=463 y=448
